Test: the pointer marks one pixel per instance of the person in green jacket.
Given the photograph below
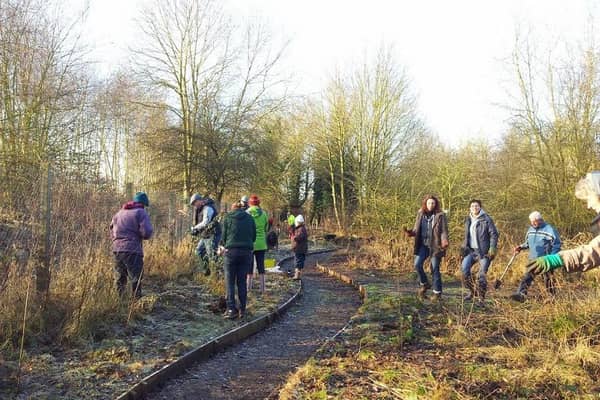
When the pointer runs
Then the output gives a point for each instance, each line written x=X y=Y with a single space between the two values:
x=261 y=220
x=237 y=243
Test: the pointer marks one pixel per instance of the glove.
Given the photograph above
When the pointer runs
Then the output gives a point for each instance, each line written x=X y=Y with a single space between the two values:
x=492 y=253
x=517 y=249
x=545 y=264
x=408 y=232
x=194 y=231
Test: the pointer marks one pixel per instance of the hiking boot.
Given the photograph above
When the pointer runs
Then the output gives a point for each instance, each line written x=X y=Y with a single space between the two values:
x=520 y=297
x=437 y=297
x=230 y=314
x=242 y=314
x=423 y=289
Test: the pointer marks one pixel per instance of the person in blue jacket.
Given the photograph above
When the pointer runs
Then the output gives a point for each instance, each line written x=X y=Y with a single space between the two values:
x=541 y=239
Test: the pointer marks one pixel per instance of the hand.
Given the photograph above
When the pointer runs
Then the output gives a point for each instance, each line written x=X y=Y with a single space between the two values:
x=517 y=249
x=545 y=264
x=221 y=251
x=408 y=232
x=444 y=243
x=492 y=253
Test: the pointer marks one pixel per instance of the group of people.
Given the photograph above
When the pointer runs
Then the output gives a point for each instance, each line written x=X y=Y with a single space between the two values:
x=480 y=245
x=241 y=237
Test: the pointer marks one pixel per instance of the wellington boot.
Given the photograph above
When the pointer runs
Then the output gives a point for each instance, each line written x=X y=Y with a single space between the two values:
x=261 y=278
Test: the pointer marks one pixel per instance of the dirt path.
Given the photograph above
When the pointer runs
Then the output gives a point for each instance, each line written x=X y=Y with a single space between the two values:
x=255 y=368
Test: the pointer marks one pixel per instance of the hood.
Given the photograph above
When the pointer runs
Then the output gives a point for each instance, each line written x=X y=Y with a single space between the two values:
x=255 y=211
x=479 y=216
x=238 y=214
x=131 y=205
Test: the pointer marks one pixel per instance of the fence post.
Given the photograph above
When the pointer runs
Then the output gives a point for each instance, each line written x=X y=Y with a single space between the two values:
x=171 y=221
x=129 y=190
x=43 y=267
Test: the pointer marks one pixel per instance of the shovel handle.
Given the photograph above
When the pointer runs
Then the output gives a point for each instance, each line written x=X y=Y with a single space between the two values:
x=512 y=259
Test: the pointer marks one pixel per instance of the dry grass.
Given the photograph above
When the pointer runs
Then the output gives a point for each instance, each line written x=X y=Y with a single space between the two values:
x=401 y=348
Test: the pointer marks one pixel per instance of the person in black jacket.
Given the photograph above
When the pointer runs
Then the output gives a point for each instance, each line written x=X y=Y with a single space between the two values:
x=237 y=244
x=480 y=245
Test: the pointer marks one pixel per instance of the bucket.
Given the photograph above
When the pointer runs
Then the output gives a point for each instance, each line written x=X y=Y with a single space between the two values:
x=269 y=262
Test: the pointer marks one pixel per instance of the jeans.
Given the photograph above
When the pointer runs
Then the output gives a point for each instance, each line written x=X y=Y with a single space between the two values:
x=299 y=259
x=129 y=265
x=484 y=265
x=420 y=258
x=236 y=266
x=528 y=280
x=207 y=249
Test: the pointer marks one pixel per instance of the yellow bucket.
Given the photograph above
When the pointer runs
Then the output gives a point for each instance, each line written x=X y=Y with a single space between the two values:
x=269 y=262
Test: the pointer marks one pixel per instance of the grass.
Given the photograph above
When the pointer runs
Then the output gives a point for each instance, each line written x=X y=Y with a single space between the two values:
x=399 y=347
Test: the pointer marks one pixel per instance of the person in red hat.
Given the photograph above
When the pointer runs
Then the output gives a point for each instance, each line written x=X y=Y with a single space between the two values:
x=261 y=220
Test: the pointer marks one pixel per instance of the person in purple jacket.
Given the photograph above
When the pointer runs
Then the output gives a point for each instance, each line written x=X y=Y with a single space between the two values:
x=129 y=226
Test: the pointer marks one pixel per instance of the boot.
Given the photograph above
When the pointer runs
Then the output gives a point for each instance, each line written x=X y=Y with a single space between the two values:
x=262 y=283
x=423 y=289
x=297 y=274
x=468 y=284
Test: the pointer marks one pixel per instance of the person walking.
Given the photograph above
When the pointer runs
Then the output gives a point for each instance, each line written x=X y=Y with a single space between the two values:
x=207 y=227
x=480 y=245
x=541 y=239
x=239 y=235
x=299 y=245
x=129 y=227
x=431 y=241
x=261 y=220
x=587 y=256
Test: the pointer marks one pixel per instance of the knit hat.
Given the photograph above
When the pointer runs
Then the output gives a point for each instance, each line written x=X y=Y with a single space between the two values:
x=195 y=197
x=254 y=200
x=141 y=197
x=299 y=220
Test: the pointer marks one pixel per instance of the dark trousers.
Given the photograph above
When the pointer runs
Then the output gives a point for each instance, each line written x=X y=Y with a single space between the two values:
x=129 y=265
x=528 y=280
x=236 y=265
x=299 y=260
x=259 y=257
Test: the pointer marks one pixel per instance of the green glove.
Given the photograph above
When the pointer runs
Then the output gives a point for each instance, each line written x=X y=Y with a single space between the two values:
x=545 y=264
x=492 y=253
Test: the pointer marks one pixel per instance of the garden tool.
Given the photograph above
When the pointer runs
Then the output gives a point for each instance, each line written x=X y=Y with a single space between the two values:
x=498 y=282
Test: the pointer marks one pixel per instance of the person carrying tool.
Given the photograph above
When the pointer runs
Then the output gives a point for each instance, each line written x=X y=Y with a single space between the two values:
x=431 y=241
x=541 y=239
x=584 y=257
x=480 y=245
x=207 y=227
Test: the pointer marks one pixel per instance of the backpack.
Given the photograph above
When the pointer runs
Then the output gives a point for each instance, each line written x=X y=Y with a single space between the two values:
x=213 y=227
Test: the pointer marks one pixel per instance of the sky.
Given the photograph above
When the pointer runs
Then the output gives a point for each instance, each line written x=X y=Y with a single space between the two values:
x=454 y=52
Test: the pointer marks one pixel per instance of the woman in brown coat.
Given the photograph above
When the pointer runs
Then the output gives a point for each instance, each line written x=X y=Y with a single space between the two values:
x=431 y=240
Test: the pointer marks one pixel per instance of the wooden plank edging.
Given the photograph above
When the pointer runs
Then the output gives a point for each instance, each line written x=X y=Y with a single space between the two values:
x=205 y=351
